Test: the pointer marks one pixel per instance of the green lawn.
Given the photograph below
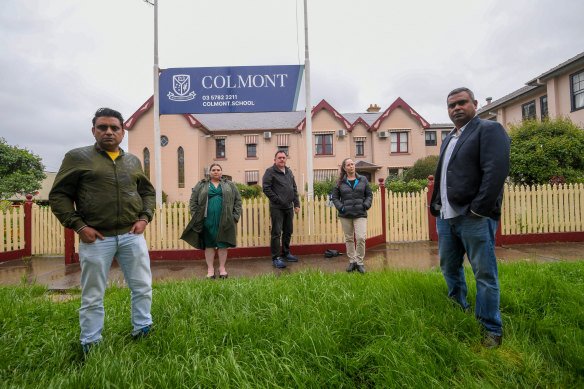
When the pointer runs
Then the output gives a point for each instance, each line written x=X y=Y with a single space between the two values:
x=388 y=329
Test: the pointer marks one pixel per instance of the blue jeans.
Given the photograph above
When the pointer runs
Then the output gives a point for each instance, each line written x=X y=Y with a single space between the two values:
x=474 y=236
x=96 y=259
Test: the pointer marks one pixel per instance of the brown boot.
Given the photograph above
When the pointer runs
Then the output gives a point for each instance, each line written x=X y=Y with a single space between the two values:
x=492 y=341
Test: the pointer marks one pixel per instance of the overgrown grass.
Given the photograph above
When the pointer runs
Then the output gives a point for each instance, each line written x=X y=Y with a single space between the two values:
x=388 y=329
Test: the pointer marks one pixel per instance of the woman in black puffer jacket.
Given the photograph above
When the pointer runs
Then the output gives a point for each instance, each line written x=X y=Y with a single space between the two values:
x=352 y=197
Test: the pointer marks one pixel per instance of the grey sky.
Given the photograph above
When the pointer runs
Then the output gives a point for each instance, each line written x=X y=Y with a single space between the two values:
x=63 y=59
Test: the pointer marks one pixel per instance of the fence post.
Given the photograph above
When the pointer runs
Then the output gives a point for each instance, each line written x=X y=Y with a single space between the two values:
x=383 y=213
x=28 y=226
x=69 y=246
x=433 y=233
x=499 y=235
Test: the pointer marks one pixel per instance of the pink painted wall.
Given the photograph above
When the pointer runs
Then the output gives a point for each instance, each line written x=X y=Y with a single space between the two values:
x=199 y=151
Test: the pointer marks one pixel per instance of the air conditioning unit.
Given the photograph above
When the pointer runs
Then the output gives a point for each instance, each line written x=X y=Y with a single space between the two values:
x=267 y=135
x=383 y=134
x=207 y=171
x=342 y=133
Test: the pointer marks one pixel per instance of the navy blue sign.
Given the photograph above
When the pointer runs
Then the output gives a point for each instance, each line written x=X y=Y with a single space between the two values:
x=230 y=89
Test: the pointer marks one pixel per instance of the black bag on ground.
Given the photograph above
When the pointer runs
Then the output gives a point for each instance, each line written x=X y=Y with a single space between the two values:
x=331 y=253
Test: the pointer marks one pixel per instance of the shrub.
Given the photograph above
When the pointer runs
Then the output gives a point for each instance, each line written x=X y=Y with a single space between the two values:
x=393 y=178
x=325 y=187
x=249 y=192
x=541 y=152
x=412 y=186
x=422 y=168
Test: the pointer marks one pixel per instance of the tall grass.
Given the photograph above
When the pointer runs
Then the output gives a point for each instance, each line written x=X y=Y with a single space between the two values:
x=388 y=329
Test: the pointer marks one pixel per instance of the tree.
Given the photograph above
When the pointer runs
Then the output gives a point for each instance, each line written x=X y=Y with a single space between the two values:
x=422 y=168
x=21 y=171
x=549 y=151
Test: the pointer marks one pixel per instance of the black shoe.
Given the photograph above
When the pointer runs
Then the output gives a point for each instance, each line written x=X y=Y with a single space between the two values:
x=211 y=277
x=223 y=276
x=491 y=341
x=352 y=267
x=361 y=269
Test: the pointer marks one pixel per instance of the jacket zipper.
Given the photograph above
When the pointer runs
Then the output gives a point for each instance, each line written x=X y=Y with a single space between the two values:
x=118 y=196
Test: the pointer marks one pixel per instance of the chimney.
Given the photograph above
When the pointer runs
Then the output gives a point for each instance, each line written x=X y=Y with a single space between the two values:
x=373 y=108
x=489 y=99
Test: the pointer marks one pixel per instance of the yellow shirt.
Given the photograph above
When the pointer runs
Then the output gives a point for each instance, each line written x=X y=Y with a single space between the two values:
x=113 y=154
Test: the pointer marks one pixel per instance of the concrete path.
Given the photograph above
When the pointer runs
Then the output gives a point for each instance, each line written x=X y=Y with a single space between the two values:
x=52 y=272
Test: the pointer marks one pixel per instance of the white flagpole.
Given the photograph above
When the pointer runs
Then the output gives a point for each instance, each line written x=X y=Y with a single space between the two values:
x=309 y=170
x=157 y=161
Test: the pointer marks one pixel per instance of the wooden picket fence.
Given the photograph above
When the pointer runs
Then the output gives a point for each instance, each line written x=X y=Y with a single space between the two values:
x=48 y=236
x=526 y=210
x=253 y=229
x=543 y=209
x=12 y=229
x=407 y=218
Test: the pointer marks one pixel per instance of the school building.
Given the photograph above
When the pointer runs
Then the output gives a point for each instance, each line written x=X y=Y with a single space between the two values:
x=244 y=144
x=557 y=92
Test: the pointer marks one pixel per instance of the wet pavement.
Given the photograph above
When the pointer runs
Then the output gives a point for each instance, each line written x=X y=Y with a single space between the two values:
x=53 y=273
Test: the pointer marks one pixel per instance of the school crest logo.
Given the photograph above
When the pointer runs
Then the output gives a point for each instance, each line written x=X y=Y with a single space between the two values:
x=181 y=84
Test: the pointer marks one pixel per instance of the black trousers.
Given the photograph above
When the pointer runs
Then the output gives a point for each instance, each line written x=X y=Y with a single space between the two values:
x=282 y=225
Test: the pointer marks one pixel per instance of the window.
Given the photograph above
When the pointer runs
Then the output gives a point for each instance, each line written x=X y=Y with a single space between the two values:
x=252 y=177
x=220 y=148
x=431 y=138
x=163 y=140
x=399 y=142
x=252 y=151
x=325 y=174
x=147 y=162
x=181 y=167
x=444 y=135
x=543 y=107
x=284 y=149
x=359 y=147
x=577 y=89
x=324 y=144
x=528 y=110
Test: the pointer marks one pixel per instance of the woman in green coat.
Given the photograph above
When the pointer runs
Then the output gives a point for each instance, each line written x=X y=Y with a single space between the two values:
x=215 y=210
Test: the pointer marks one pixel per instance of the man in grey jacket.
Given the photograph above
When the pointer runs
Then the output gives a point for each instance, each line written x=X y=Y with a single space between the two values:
x=279 y=185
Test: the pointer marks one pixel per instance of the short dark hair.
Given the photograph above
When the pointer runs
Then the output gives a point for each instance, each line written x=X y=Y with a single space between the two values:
x=278 y=152
x=461 y=89
x=108 y=112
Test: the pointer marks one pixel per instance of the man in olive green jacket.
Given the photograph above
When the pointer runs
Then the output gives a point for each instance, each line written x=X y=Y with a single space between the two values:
x=102 y=194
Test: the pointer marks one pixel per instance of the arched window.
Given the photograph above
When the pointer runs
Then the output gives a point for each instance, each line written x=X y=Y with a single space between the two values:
x=181 y=168
x=147 y=162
